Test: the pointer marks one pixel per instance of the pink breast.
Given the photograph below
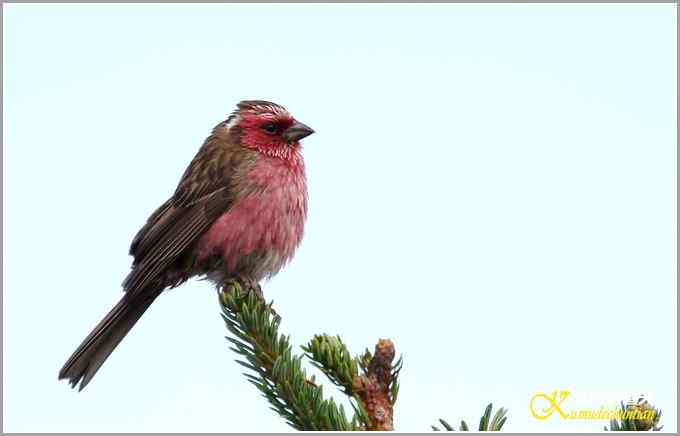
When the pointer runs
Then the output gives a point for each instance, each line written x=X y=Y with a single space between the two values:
x=267 y=222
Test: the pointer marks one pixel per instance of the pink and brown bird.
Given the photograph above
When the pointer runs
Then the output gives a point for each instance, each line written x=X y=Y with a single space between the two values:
x=237 y=213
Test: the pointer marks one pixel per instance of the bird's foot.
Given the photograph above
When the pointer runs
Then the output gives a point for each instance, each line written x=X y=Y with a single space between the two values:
x=252 y=286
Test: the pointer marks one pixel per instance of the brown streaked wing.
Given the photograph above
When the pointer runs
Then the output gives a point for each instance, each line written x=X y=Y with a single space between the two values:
x=203 y=194
x=199 y=180
x=210 y=170
x=152 y=224
x=187 y=226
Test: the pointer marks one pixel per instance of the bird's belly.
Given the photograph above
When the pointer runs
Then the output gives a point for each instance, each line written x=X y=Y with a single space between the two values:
x=255 y=237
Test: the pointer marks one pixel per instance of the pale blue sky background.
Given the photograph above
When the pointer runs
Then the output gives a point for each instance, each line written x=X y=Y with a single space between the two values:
x=492 y=187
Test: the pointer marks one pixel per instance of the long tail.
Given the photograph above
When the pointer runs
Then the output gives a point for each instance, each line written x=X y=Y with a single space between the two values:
x=98 y=345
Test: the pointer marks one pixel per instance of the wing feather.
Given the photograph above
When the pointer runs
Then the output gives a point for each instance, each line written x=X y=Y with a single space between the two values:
x=203 y=194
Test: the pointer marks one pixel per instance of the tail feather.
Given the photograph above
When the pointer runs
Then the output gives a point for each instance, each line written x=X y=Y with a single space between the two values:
x=98 y=345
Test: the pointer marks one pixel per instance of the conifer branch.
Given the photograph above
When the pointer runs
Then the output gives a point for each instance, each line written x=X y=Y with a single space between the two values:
x=370 y=381
x=330 y=355
x=275 y=371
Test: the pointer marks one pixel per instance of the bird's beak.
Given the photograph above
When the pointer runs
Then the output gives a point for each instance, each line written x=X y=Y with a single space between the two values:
x=296 y=132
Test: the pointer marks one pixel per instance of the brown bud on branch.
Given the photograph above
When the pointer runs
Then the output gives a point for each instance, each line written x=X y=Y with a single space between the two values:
x=373 y=387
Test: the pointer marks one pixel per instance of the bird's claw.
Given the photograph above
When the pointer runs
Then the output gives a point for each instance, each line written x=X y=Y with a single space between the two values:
x=252 y=286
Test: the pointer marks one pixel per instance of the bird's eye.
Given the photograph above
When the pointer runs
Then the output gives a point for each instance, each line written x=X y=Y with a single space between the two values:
x=270 y=128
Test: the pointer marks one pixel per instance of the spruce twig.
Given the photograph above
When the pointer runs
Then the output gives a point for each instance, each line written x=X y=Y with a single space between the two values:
x=330 y=355
x=370 y=381
x=274 y=369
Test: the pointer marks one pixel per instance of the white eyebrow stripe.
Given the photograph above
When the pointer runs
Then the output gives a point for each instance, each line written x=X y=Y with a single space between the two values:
x=233 y=121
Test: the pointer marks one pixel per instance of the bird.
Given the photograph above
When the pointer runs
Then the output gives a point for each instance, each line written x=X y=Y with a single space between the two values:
x=238 y=212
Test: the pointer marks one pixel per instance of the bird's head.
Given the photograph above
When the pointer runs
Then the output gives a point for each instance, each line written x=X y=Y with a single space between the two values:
x=267 y=128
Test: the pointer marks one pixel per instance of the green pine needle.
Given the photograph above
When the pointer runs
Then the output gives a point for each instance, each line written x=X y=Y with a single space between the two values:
x=486 y=422
x=446 y=425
